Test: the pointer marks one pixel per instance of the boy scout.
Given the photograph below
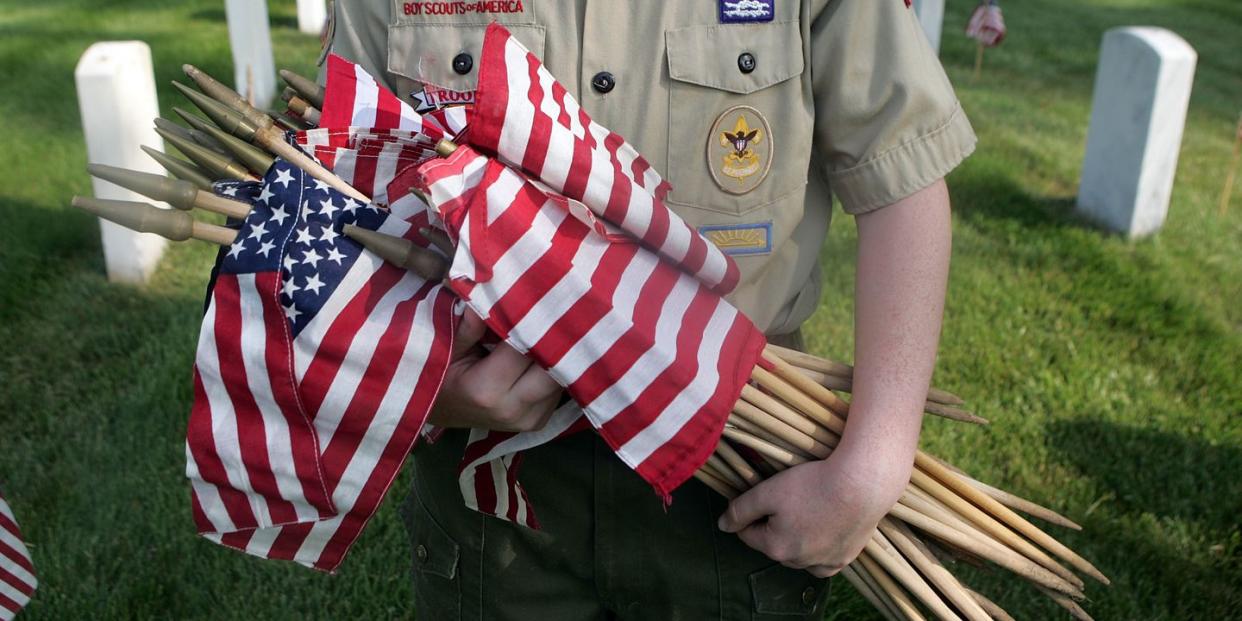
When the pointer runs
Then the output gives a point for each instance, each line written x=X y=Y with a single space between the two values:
x=757 y=112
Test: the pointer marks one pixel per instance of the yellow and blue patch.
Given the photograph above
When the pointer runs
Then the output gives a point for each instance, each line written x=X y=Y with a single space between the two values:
x=740 y=239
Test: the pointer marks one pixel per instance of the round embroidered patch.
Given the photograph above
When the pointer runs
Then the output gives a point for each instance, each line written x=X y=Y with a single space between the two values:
x=739 y=149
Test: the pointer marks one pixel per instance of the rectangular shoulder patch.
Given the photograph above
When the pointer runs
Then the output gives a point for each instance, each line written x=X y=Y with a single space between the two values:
x=746 y=11
x=740 y=239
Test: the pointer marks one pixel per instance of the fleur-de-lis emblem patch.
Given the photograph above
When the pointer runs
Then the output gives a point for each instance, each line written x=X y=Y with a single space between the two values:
x=740 y=150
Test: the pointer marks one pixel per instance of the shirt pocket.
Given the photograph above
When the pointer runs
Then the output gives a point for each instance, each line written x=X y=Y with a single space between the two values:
x=739 y=129
x=440 y=61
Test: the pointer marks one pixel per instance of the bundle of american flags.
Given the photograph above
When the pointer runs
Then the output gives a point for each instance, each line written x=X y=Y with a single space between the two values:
x=331 y=320
x=17 y=574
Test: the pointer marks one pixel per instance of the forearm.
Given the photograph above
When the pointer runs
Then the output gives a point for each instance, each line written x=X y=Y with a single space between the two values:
x=903 y=265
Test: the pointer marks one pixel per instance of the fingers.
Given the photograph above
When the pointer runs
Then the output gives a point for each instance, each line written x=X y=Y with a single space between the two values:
x=536 y=385
x=470 y=330
x=500 y=370
x=745 y=509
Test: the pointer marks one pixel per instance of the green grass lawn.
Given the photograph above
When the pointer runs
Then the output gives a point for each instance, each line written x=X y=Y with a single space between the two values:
x=1112 y=370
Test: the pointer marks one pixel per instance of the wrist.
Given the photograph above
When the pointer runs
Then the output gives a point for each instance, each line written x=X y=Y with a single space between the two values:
x=883 y=466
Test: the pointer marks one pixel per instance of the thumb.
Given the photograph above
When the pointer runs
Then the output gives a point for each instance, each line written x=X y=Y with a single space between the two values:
x=470 y=330
x=746 y=509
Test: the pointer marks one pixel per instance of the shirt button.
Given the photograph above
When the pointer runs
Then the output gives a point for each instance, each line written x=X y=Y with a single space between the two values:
x=746 y=62
x=603 y=82
x=808 y=596
x=421 y=552
x=463 y=63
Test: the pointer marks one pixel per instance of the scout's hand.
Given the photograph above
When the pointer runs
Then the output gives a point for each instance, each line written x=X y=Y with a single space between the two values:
x=501 y=390
x=819 y=515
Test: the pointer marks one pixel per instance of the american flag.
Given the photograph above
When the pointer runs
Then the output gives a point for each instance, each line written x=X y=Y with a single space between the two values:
x=316 y=367
x=987 y=24
x=529 y=120
x=17 y=574
x=653 y=356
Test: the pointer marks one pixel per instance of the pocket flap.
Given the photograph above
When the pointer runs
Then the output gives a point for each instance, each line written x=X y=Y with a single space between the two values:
x=709 y=55
x=435 y=552
x=779 y=590
x=425 y=52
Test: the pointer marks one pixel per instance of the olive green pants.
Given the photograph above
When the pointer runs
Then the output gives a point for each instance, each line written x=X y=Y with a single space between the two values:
x=607 y=549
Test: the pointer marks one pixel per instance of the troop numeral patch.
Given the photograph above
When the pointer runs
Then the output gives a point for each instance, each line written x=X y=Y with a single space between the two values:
x=746 y=11
x=434 y=98
x=462 y=8
x=739 y=149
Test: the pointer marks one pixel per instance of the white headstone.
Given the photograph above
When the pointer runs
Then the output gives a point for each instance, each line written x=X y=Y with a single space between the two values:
x=931 y=16
x=116 y=94
x=250 y=37
x=1142 y=90
x=311 y=16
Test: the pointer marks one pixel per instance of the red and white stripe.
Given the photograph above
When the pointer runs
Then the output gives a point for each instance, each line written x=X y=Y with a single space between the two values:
x=17 y=574
x=488 y=474
x=293 y=444
x=527 y=118
x=654 y=357
x=352 y=98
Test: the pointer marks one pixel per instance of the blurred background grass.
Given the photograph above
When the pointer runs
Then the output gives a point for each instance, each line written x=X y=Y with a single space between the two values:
x=1112 y=370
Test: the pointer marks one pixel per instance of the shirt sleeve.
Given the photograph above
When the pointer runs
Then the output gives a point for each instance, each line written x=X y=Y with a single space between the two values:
x=887 y=120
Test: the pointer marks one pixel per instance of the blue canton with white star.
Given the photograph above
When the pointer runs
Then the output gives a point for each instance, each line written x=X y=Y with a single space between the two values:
x=295 y=228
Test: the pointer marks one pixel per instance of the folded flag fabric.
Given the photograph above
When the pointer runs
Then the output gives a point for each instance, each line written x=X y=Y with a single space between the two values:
x=653 y=356
x=528 y=119
x=987 y=24
x=316 y=366
x=17 y=574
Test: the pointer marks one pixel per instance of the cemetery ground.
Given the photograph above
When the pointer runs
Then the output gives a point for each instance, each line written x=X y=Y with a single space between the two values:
x=1111 y=370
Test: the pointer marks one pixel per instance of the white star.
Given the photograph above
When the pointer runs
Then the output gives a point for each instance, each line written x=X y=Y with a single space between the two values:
x=292 y=312
x=321 y=186
x=265 y=194
x=279 y=214
x=290 y=262
x=335 y=255
x=236 y=249
x=283 y=177
x=290 y=287
x=327 y=208
x=351 y=206
x=314 y=284
x=257 y=231
x=329 y=235
x=265 y=248
x=373 y=207
x=304 y=236
x=229 y=191
x=312 y=258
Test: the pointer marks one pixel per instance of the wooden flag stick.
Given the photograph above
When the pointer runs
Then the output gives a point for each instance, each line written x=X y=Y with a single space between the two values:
x=978 y=62
x=892 y=561
x=778 y=426
x=905 y=607
x=718 y=486
x=919 y=556
x=780 y=455
x=1019 y=503
x=845 y=384
x=869 y=593
x=1227 y=193
x=984 y=548
x=1005 y=514
x=990 y=525
x=1074 y=609
x=996 y=612
x=763 y=434
x=739 y=464
x=725 y=472
x=845 y=371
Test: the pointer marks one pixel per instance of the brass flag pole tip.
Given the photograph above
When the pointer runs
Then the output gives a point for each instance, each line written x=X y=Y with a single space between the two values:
x=445 y=147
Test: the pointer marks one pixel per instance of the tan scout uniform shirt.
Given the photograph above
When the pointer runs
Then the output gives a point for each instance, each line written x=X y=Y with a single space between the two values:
x=755 y=124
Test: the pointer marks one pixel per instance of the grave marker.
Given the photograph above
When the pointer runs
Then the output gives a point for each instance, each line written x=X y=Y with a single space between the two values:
x=251 y=40
x=1142 y=90
x=117 y=98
